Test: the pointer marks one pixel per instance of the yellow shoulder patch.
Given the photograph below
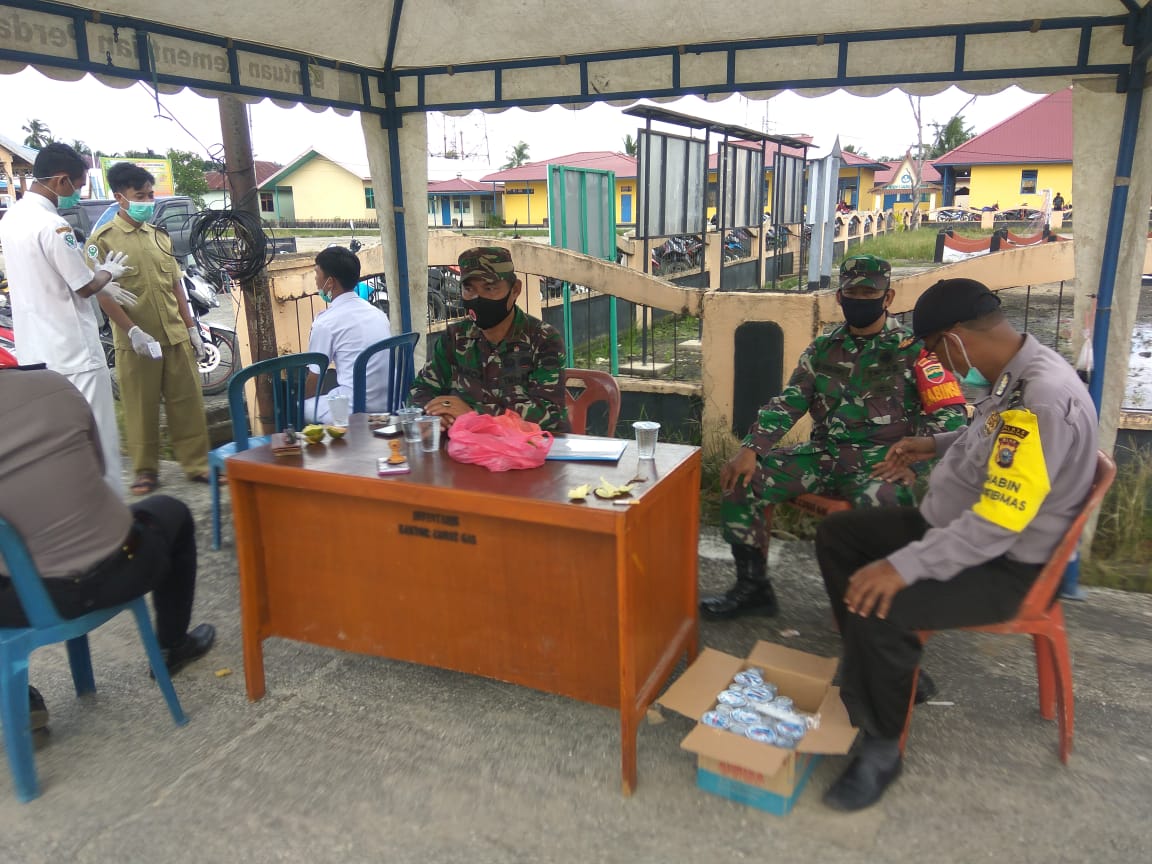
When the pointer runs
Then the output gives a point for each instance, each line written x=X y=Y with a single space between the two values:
x=1017 y=480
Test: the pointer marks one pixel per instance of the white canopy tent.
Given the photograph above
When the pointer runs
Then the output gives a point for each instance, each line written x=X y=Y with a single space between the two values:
x=393 y=62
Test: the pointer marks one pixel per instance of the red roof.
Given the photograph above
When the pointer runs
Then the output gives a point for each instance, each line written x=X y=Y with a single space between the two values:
x=460 y=185
x=264 y=170
x=849 y=159
x=771 y=148
x=883 y=178
x=601 y=160
x=1042 y=132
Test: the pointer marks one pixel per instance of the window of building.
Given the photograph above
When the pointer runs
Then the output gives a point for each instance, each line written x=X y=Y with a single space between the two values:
x=462 y=205
x=369 y=198
x=485 y=206
x=1028 y=182
x=267 y=205
x=431 y=206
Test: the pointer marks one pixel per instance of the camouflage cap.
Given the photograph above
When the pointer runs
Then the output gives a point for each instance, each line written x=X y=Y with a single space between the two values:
x=490 y=263
x=865 y=271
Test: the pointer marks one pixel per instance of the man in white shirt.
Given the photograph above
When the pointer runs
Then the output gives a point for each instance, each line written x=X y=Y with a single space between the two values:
x=49 y=284
x=348 y=326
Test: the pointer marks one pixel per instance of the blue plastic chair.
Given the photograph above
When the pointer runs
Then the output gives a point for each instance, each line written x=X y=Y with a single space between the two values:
x=401 y=371
x=46 y=627
x=288 y=376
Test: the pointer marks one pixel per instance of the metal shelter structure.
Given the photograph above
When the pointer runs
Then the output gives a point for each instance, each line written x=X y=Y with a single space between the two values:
x=392 y=62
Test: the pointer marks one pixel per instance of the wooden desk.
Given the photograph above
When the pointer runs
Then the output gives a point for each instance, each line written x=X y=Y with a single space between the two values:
x=494 y=574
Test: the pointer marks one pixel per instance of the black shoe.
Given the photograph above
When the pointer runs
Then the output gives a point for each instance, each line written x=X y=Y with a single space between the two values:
x=746 y=598
x=37 y=710
x=925 y=688
x=863 y=783
x=196 y=644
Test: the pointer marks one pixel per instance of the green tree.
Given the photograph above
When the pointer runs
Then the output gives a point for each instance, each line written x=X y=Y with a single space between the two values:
x=630 y=145
x=852 y=148
x=39 y=135
x=188 y=174
x=517 y=157
x=81 y=148
x=949 y=136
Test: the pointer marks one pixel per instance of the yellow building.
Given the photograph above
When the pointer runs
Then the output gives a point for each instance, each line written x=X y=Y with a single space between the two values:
x=893 y=187
x=15 y=170
x=315 y=187
x=1015 y=162
x=525 y=199
x=771 y=149
x=856 y=179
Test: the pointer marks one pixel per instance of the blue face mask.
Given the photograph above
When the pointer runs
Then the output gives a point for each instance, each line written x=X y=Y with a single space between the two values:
x=140 y=211
x=973 y=377
x=324 y=295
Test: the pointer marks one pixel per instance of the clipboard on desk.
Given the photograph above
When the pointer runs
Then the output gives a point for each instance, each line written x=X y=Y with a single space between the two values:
x=586 y=448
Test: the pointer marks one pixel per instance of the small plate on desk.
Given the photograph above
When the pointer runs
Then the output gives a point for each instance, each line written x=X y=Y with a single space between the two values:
x=586 y=448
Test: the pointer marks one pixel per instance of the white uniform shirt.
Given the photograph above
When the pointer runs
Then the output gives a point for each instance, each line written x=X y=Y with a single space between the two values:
x=348 y=326
x=52 y=323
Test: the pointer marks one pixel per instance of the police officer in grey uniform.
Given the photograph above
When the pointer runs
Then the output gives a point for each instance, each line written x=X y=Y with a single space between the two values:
x=1005 y=490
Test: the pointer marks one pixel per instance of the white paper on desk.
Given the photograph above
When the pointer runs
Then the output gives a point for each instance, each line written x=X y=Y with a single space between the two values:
x=586 y=449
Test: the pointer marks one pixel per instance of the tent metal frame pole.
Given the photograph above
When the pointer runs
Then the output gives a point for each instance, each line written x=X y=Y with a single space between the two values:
x=1133 y=103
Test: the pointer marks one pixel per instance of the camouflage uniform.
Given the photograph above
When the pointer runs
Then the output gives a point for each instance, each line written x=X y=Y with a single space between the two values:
x=524 y=373
x=864 y=393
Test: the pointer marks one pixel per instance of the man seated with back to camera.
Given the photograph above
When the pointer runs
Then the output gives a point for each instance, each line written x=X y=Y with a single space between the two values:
x=501 y=359
x=1002 y=496
x=866 y=385
x=345 y=328
x=91 y=549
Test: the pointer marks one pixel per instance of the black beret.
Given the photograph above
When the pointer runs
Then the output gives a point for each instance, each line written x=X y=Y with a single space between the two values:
x=950 y=302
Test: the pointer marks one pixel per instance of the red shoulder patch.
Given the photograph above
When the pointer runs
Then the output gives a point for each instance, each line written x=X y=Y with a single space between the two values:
x=937 y=386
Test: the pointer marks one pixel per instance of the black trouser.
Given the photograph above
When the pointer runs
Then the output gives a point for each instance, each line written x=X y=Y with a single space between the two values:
x=881 y=655
x=163 y=562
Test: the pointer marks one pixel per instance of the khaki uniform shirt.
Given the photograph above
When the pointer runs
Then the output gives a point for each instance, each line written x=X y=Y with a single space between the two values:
x=153 y=281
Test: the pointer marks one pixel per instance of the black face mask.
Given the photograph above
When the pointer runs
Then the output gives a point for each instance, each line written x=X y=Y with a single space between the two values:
x=861 y=313
x=487 y=313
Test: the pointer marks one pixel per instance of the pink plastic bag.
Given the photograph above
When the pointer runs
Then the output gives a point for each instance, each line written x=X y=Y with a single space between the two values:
x=498 y=442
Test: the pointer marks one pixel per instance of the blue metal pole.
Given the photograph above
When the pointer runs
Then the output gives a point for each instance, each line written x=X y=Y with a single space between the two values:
x=1133 y=102
x=401 y=290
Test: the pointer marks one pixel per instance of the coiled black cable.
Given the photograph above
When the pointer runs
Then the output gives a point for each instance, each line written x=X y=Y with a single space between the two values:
x=232 y=242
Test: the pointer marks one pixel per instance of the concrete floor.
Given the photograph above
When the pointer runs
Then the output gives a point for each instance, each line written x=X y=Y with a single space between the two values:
x=357 y=759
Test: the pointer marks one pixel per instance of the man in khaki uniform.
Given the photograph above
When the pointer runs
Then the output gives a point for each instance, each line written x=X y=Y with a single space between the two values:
x=157 y=346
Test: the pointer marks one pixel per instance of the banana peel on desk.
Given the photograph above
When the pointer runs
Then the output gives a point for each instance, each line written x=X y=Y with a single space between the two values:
x=606 y=491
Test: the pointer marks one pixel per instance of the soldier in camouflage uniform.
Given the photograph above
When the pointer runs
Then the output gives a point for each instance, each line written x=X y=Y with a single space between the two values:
x=500 y=359
x=867 y=384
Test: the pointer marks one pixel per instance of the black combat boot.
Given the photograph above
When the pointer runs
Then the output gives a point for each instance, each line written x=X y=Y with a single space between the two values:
x=751 y=595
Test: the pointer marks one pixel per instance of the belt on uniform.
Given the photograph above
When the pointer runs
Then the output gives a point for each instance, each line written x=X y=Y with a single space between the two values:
x=124 y=553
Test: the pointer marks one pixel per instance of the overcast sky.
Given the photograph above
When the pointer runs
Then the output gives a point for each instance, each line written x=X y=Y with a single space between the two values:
x=111 y=120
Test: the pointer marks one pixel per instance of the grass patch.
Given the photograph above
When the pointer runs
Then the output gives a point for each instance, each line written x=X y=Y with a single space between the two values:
x=916 y=247
x=1122 y=547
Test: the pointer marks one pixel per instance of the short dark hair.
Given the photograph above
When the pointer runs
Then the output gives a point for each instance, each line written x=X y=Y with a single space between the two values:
x=127 y=175
x=341 y=264
x=58 y=159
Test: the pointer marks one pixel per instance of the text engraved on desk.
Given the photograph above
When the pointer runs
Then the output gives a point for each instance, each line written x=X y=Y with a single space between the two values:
x=437 y=526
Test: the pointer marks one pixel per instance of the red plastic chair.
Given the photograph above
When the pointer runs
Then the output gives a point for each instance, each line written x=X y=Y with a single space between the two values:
x=1042 y=618
x=598 y=387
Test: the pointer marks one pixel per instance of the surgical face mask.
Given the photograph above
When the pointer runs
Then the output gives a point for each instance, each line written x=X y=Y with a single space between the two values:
x=973 y=377
x=324 y=295
x=861 y=313
x=140 y=211
x=63 y=202
x=486 y=312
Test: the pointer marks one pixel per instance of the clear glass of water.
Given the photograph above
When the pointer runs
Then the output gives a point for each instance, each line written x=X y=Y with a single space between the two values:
x=338 y=406
x=429 y=428
x=647 y=431
x=408 y=417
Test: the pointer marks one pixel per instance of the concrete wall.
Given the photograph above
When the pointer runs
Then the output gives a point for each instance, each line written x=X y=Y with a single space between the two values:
x=992 y=184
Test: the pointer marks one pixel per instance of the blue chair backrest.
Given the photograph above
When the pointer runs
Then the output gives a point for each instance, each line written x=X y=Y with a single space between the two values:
x=401 y=371
x=288 y=376
x=38 y=606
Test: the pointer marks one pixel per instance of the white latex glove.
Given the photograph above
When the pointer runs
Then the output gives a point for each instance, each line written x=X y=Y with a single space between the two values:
x=197 y=342
x=122 y=296
x=116 y=264
x=142 y=342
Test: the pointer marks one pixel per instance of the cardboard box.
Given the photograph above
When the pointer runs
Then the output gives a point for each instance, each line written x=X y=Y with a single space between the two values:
x=761 y=775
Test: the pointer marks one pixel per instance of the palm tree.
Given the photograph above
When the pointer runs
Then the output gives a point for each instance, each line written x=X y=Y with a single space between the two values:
x=39 y=135
x=517 y=157
x=629 y=145
x=81 y=148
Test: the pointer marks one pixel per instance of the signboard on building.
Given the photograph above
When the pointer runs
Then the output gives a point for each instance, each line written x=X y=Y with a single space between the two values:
x=161 y=169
